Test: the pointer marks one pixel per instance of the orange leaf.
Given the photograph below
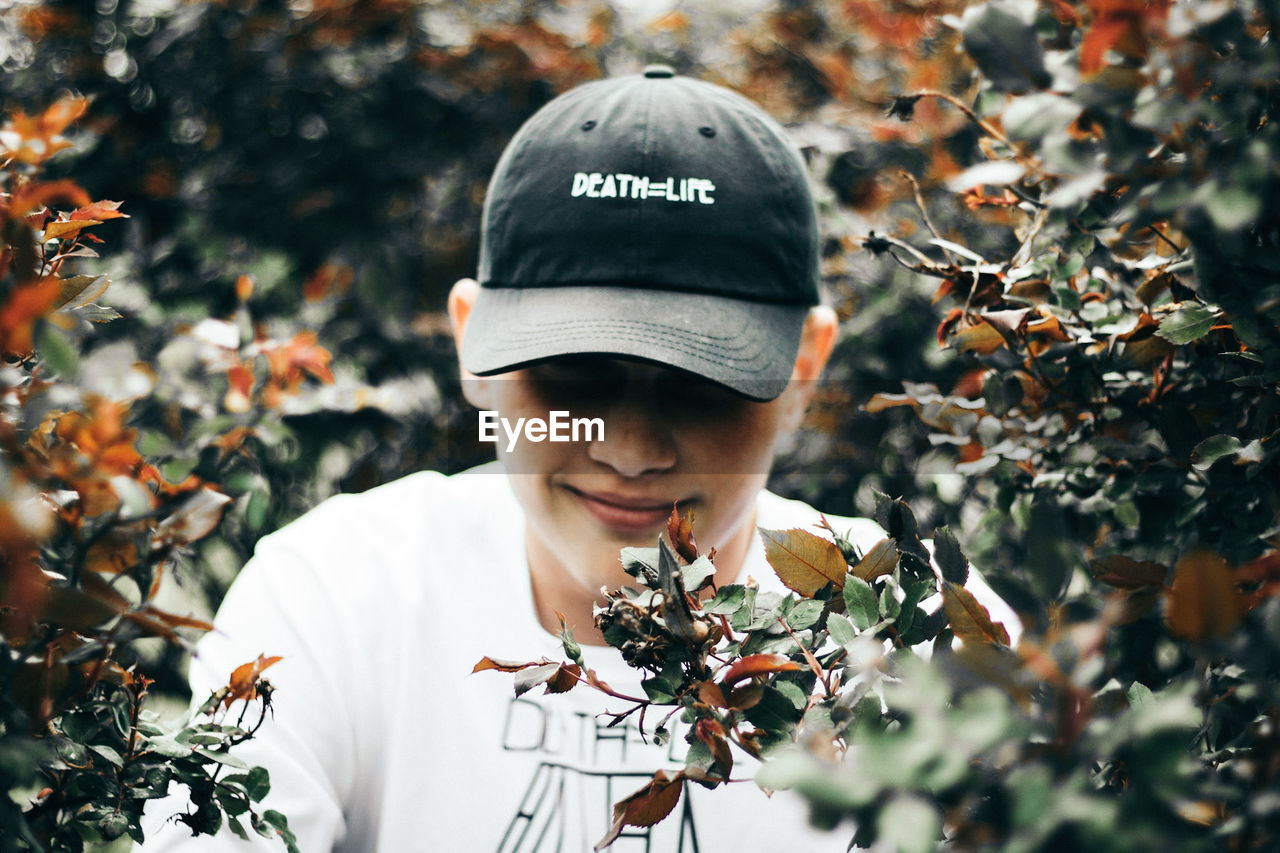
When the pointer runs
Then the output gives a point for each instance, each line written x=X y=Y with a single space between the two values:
x=673 y=21
x=982 y=338
x=505 y=665
x=68 y=228
x=18 y=315
x=753 y=665
x=1203 y=601
x=647 y=806
x=100 y=210
x=882 y=559
x=244 y=680
x=970 y=621
x=804 y=562
x=565 y=679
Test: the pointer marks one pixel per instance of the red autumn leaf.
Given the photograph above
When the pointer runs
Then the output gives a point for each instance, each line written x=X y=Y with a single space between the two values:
x=753 y=665
x=646 y=806
x=244 y=679
x=680 y=533
x=1120 y=26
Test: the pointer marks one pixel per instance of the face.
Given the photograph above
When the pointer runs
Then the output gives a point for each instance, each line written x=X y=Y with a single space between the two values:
x=669 y=438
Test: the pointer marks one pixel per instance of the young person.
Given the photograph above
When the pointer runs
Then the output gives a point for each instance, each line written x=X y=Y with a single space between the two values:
x=649 y=259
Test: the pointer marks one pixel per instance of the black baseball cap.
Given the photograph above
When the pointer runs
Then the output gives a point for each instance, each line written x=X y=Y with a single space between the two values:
x=653 y=217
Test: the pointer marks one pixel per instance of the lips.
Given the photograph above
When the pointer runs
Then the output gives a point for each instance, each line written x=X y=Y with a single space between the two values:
x=625 y=513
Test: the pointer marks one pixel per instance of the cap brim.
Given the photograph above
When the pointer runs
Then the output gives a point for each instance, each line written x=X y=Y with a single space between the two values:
x=748 y=347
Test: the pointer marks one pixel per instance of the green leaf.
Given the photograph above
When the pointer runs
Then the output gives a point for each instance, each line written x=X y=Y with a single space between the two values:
x=951 y=560
x=1213 y=448
x=258 y=784
x=56 y=351
x=793 y=692
x=109 y=754
x=1034 y=116
x=1187 y=324
x=910 y=824
x=841 y=629
x=1004 y=45
x=1233 y=208
x=727 y=600
x=774 y=712
x=805 y=614
x=640 y=563
x=860 y=600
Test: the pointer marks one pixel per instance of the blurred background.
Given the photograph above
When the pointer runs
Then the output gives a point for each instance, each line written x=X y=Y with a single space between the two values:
x=337 y=152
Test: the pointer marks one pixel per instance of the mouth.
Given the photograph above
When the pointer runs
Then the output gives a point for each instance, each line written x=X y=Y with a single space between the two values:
x=625 y=513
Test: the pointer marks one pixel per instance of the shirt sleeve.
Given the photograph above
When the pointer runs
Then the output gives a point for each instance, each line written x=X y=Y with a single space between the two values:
x=280 y=605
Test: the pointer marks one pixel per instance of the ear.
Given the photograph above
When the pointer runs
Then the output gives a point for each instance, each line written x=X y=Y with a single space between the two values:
x=816 y=343
x=462 y=296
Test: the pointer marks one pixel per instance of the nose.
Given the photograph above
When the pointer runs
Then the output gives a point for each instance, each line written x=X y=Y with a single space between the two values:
x=637 y=442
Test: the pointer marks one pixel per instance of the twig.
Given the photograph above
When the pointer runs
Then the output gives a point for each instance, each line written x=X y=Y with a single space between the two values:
x=924 y=213
x=990 y=129
x=808 y=656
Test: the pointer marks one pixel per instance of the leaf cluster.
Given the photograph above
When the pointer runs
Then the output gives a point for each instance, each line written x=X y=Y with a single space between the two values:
x=90 y=527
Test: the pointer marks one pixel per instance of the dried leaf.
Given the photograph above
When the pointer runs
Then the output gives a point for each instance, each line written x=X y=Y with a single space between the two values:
x=195 y=519
x=804 y=562
x=970 y=621
x=680 y=533
x=646 y=806
x=55 y=230
x=1203 y=601
x=1126 y=573
x=505 y=665
x=882 y=559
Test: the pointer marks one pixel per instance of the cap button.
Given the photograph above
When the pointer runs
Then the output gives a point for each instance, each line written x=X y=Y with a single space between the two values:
x=658 y=71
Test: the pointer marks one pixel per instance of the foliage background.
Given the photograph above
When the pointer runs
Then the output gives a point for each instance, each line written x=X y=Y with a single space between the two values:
x=1109 y=274
x=338 y=151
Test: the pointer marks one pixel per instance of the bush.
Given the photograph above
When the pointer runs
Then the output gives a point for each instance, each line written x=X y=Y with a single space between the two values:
x=1117 y=423
x=89 y=527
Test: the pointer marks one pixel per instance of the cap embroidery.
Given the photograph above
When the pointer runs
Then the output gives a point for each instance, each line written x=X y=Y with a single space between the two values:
x=622 y=185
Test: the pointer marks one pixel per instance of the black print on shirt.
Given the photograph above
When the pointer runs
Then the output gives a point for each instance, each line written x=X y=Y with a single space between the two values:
x=585 y=766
